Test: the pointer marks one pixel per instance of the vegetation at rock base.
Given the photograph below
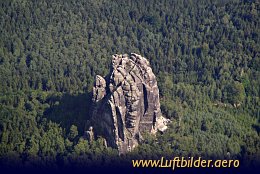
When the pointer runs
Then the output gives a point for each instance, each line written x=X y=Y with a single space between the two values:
x=205 y=54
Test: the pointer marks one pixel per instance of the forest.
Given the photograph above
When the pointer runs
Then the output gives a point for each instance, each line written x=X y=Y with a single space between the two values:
x=204 y=53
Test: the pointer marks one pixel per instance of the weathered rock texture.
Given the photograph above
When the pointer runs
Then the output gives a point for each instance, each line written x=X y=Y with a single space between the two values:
x=126 y=103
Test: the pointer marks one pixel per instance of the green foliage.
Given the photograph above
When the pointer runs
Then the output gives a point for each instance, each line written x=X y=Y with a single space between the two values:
x=204 y=54
x=73 y=132
x=236 y=93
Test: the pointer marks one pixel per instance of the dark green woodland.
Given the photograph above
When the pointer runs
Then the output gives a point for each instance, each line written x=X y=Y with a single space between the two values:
x=204 y=53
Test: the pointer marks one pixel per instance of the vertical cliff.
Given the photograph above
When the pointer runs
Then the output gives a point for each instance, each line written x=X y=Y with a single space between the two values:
x=126 y=104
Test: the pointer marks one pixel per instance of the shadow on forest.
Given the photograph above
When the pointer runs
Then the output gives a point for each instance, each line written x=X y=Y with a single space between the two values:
x=68 y=110
x=256 y=127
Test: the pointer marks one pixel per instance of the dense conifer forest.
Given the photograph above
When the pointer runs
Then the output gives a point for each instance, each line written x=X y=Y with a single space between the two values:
x=205 y=54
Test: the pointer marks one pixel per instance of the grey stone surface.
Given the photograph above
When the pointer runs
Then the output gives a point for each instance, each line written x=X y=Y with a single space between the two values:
x=127 y=104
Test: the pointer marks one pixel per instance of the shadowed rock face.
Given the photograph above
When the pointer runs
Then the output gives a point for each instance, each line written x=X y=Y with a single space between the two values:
x=126 y=104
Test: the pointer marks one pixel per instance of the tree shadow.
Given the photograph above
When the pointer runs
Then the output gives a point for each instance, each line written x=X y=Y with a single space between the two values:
x=256 y=127
x=67 y=110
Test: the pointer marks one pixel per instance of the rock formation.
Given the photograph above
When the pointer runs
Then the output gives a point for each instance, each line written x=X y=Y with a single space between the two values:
x=126 y=103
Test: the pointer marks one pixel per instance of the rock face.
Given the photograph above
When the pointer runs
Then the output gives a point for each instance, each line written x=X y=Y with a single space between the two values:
x=126 y=103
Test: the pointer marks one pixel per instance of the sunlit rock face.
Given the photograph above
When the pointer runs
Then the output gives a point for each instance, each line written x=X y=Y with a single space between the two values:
x=126 y=103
